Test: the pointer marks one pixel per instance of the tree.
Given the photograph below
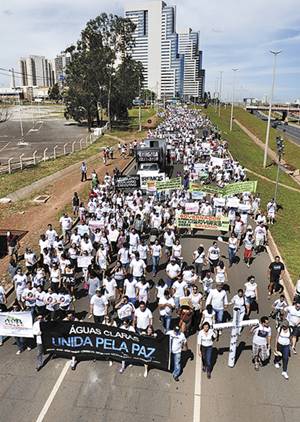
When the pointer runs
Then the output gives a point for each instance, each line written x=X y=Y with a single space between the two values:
x=54 y=93
x=101 y=71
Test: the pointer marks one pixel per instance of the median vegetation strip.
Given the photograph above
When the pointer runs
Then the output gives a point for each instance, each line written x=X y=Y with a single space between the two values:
x=286 y=231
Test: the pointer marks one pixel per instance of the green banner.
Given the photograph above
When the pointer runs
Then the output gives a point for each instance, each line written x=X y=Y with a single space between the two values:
x=229 y=190
x=175 y=183
x=239 y=187
x=196 y=221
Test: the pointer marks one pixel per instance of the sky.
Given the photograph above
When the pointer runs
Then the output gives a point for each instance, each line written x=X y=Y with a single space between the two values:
x=234 y=34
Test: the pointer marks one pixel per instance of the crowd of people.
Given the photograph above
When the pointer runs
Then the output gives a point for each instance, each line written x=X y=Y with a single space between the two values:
x=126 y=255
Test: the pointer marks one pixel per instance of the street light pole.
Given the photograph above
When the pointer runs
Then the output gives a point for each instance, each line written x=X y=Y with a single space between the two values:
x=20 y=118
x=275 y=54
x=221 y=73
x=233 y=92
x=280 y=151
x=140 y=112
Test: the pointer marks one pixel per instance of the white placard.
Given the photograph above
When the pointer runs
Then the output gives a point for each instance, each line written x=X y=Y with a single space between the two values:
x=16 y=324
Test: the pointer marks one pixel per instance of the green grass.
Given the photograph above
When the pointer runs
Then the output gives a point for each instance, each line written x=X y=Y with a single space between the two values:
x=11 y=182
x=250 y=155
x=258 y=127
x=286 y=231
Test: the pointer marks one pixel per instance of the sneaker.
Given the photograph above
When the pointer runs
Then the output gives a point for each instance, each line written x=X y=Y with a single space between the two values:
x=176 y=379
x=277 y=365
x=18 y=352
x=145 y=373
x=121 y=370
x=204 y=368
x=110 y=363
x=294 y=350
x=208 y=375
x=29 y=348
x=285 y=375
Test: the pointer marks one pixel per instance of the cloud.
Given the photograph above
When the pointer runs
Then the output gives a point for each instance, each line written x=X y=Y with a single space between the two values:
x=233 y=34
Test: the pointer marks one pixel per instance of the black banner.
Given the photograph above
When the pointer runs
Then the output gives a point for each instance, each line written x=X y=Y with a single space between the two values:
x=127 y=182
x=147 y=155
x=96 y=341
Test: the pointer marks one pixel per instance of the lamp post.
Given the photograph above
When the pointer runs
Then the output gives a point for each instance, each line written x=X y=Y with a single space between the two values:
x=220 y=93
x=140 y=112
x=233 y=92
x=275 y=54
x=280 y=152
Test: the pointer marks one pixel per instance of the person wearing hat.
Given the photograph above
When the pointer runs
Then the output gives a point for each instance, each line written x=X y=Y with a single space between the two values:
x=178 y=343
x=282 y=351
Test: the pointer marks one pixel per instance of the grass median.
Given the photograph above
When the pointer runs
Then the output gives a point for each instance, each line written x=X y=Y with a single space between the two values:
x=286 y=231
x=259 y=127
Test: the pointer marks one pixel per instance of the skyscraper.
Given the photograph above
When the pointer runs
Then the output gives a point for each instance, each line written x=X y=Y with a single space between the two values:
x=156 y=46
x=194 y=75
x=36 y=71
x=61 y=62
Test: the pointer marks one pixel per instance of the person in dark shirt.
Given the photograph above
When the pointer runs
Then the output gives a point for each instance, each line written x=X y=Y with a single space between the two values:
x=276 y=272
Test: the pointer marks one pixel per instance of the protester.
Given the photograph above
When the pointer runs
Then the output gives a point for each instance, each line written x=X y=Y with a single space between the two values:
x=178 y=343
x=205 y=339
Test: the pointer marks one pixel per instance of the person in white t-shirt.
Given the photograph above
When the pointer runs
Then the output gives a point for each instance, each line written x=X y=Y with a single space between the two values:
x=39 y=345
x=130 y=289
x=180 y=290
x=156 y=255
x=143 y=317
x=169 y=238
x=137 y=267
x=166 y=306
x=251 y=294
x=218 y=299
x=98 y=306
x=66 y=226
x=178 y=343
x=173 y=270
x=205 y=339
x=213 y=256
x=143 y=288
x=282 y=347
x=110 y=286
x=261 y=342
x=293 y=318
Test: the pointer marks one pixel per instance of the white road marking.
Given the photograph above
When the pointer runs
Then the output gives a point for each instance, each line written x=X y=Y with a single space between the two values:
x=55 y=389
x=197 y=391
x=1 y=149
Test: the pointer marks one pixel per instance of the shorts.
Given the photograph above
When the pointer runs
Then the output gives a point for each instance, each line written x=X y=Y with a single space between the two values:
x=296 y=331
x=262 y=350
x=120 y=284
x=248 y=253
x=249 y=300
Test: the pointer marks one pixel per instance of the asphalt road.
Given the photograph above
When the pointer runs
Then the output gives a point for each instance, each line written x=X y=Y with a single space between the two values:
x=97 y=392
x=44 y=131
x=291 y=131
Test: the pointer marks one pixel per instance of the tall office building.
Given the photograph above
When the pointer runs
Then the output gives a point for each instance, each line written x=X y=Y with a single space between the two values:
x=156 y=46
x=36 y=71
x=61 y=62
x=193 y=75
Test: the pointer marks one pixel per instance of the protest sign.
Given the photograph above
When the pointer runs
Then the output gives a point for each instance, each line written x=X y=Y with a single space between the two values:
x=191 y=207
x=16 y=324
x=197 y=221
x=127 y=182
x=147 y=155
x=197 y=194
x=84 y=261
x=233 y=202
x=96 y=341
x=174 y=183
x=239 y=187
x=94 y=224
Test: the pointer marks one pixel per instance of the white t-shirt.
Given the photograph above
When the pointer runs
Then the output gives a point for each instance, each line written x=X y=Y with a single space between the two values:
x=168 y=309
x=173 y=270
x=169 y=239
x=293 y=316
x=210 y=318
x=213 y=253
x=143 y=290
x=217 y=299
x=250 y=289
x=284 y=336
x=37 y=332
x=206 y=338
x=2 y=295
x=66 y=223
x=161 y=290
x=137 y=267
x=156 y=249
x=180 y=287
x=199 y=257
x=261 y=334
x=178 y=340
x=99 y=304
x=129 y=287
x=143 y=318
x=110 y=287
